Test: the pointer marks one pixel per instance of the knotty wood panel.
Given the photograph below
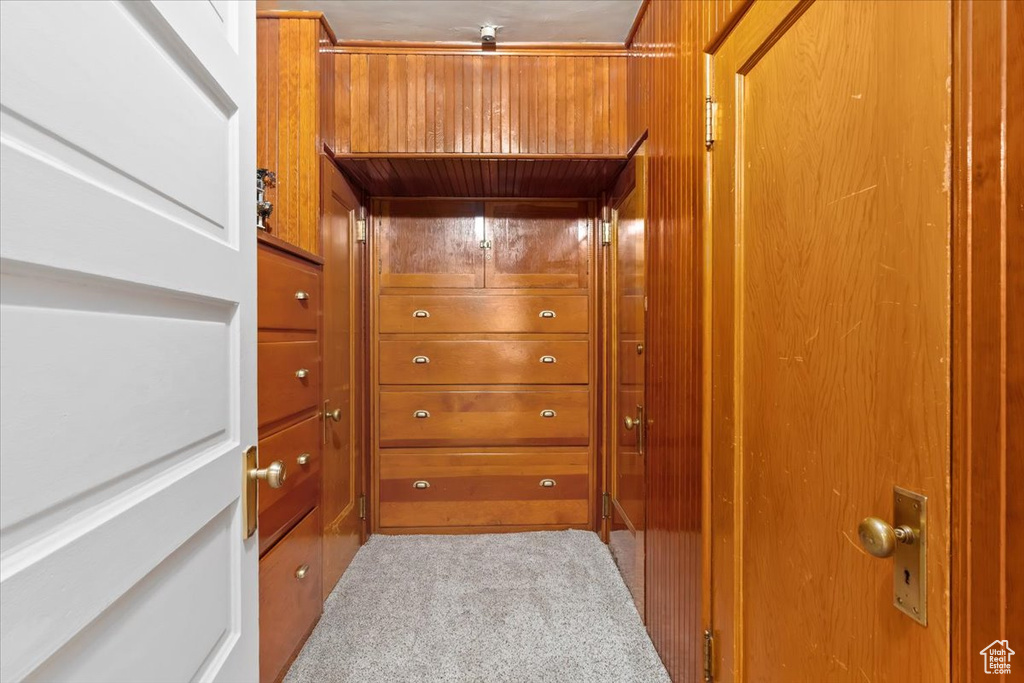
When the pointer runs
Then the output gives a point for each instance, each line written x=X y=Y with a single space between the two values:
x=988 y=332
x=480 y=103
x=665 y=94
x=288 y=115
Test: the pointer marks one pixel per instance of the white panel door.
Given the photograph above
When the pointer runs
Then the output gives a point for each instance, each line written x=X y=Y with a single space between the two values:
x=127 y=340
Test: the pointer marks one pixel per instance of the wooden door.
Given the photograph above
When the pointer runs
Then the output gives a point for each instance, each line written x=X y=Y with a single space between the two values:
x=343 y=361
x=128 y=336
x=537 y=243
x=830 y=333
x=431 y=243
x=628 y=362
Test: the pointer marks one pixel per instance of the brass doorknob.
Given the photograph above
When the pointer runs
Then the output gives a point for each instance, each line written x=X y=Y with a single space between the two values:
x=879 y=537
x=274 y=474
x=334 y=414
x=630 y=422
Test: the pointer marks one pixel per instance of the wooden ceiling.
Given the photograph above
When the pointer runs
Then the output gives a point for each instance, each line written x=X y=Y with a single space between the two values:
x=469 y=175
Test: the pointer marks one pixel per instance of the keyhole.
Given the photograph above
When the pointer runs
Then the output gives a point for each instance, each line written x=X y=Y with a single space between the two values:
x=906 y=576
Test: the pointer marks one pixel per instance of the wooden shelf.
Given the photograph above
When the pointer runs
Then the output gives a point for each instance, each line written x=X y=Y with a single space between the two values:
x=481 y=175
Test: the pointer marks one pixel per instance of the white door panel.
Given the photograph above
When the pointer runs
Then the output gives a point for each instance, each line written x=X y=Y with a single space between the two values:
x=127 y=340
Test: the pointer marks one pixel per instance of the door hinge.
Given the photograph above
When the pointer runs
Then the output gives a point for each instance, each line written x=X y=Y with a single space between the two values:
x=709 y=122
x=362 y=506
x=361 y=225
x=709 y=654
x=606 y=232
x=380 y=265
x=606 y=505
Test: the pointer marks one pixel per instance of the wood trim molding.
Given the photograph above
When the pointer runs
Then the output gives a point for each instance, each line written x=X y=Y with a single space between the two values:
x=299 y=14
x=727 y=26
x=637 y=20
x=473 y=156
x=461 y=48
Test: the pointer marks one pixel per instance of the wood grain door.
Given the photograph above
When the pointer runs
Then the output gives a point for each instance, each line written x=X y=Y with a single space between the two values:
x=431 y=243
x=128 y=336
x=343 y=375
x=628 y=372
x=830 y=292
x=537 y=243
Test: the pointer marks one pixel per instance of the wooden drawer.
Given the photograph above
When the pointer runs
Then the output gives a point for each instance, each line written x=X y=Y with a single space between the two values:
x=298 y=447
x=468 y=488
x=484 y=418
x=289 y=605
x=289 y=292
x=282 y=392
x=498 y=313
x=483 y=362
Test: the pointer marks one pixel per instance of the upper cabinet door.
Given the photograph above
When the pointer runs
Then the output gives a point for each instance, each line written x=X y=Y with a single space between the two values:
x=431 y=243
x=538 y=243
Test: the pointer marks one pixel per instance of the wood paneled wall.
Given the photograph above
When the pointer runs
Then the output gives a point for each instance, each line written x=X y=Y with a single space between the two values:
x=988 y=332
x=288 y=120
x=665 y=94
x=479 y=103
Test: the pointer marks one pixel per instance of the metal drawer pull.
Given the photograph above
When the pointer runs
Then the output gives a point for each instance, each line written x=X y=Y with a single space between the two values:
x=547 y=314
x=548 y=413
x=547 y=359
x=301 y=296
x=421 y=414
x=421 y=484
x=303 y=459
x=302 y=373
x=301 y=572
x=420 y=360
x=421 y=314
x=547 y=483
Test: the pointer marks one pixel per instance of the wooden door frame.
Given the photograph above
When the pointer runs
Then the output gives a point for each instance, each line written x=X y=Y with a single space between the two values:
x=978 y=589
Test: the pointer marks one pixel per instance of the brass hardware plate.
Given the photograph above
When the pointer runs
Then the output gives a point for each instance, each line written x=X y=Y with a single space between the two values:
x=606 y=504
x=250 y=491
x=909 y=566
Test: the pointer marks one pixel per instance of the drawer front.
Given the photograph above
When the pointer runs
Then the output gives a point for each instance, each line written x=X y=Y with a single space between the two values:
x=290 y=604
x=298 y=447
x=468 y=314
x=491 y=418
x=288 y=379
x=289 y=292
x=466 y=488
x=483 y=362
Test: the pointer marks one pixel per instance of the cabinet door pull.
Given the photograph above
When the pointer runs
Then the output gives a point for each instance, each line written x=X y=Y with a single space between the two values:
x=421 y=414
x=303 y=459
x=421 y=484
x=547 y=314
x=547 y=483
x=547 y=359
x=301 y=296
x=548 y=413
x=420 y=360
x=301 y=572
x=302 y=373
x=421 y=314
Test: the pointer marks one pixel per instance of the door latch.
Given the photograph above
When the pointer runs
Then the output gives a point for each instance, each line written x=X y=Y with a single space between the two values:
x=264 y=178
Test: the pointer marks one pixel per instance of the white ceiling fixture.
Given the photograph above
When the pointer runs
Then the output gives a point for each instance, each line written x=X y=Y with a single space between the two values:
x=521 y=21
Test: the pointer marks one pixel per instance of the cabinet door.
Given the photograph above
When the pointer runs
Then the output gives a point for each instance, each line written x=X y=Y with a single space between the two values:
x=431 y=243
x=537 y=243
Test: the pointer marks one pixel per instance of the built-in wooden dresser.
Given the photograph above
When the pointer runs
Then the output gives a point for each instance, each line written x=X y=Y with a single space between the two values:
x=290 y=429
x=484 y=365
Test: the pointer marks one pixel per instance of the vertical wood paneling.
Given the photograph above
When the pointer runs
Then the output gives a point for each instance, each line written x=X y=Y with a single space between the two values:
x=289 y=119
x=665 y=92
x=988 y=332
x=483 y=104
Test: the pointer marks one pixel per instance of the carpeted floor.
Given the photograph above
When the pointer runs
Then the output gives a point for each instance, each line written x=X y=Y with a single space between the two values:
x=547 y=606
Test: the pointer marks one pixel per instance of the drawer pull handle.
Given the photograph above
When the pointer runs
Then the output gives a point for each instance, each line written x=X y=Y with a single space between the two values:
x=421 y=414
x=547 y=359
x=547 y=314
x=548 y=413
x=420 y=360
x=303 y=459
x=301 y=572
x=302 y=373
x=301 y=296
x=421 y=484
x=421 y=314
x=547 y=483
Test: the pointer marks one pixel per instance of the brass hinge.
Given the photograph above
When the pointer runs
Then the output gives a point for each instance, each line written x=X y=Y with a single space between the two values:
x=362 y=506
x=380 y=265
x=606 y=233
x=709 y=122
x=606 y=505
x=709 y=650
x=361 y=226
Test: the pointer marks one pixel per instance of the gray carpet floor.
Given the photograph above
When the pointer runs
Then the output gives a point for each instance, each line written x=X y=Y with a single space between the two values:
x=546 y=606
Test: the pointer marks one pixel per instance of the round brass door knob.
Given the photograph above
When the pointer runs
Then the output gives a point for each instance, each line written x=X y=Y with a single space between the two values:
x=879 y=538
x=630 y=422
x=274 y=474
x=334 y=414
